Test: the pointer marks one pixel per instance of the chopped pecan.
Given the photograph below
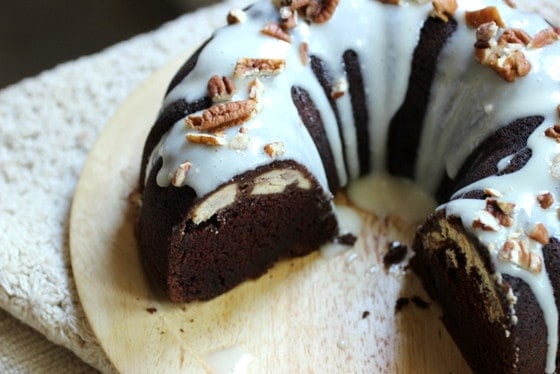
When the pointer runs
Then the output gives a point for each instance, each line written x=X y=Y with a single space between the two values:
x=558 y=110
x=544 y=38
x=501 y=210
x=511 y=3
x=180 y=174
x=220 y=88
x=514 y=36
x=485 y=32
x=289 y=18
x=545 y=200
x=222 y=116
x=298 y=4
x=250 y=67
x=486 y=221
x=326 y=12
x=318 y=11
x=516 y=252
x=236 y=16
x=513 y=66
x=274 y=30
x=392 y=2
x=275 y=149
x=540 y=233
x=206 y=139
x=304 y=53
x=484 y=15
x=339 y=88
x=553 y=132
x=255 y=90
x=492 y=192
x=443 y=9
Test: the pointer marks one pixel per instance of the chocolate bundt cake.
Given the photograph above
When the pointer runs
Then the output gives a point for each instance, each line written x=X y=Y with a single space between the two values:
x=283 y=107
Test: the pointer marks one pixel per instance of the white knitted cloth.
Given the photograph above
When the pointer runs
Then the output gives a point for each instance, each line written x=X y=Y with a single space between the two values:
x=47 y=126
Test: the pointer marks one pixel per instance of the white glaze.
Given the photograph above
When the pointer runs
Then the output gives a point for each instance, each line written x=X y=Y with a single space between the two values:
x=384 y=38
x=384 y=195
x=231 y=360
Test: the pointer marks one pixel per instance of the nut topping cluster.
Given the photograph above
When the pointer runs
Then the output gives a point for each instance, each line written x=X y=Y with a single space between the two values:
x=502 y=48
x=495 y=214
x=517 y=252
x=520 y=248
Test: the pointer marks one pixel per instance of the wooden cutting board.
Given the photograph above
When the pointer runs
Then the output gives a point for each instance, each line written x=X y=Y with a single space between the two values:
x=318 y=314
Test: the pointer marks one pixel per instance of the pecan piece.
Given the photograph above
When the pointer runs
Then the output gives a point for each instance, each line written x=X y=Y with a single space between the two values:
x=179 y=176
x=514 y=36
x=236 y=16
x=289 y=18
x=485 y=32
x=221 y=88
x=250 y=67
x=443 y=9
x=326 y=12
x=318 y=11
x=205 y=139
x=544 y=38
x=221 y=116
x=540 y=233
x=492 y=192
x=516 y=252
x=304 y=53
x=553 y=132
x=339 y=88
x=275 y=149
x=298 y=4
x=392 y=2
x=274 y=30
x=256 y=89
x=514 y=66
x=501 y=210
x=545 y=200
x=484 y=15
x=486 y=221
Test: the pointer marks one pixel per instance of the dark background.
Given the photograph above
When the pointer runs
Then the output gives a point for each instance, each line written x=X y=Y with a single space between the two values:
x=36 y=35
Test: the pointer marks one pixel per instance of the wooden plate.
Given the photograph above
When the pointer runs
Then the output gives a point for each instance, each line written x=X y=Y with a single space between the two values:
x=314 y=314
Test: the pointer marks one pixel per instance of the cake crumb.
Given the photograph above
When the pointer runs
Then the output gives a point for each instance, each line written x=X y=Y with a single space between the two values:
x=346 y=239
x=151 y=310
x=396 y=253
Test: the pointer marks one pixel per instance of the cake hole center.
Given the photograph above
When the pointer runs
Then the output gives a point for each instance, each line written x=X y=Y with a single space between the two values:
x=384 y=195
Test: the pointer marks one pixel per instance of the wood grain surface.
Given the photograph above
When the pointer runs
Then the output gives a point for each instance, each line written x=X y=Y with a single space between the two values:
x=316 y=314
